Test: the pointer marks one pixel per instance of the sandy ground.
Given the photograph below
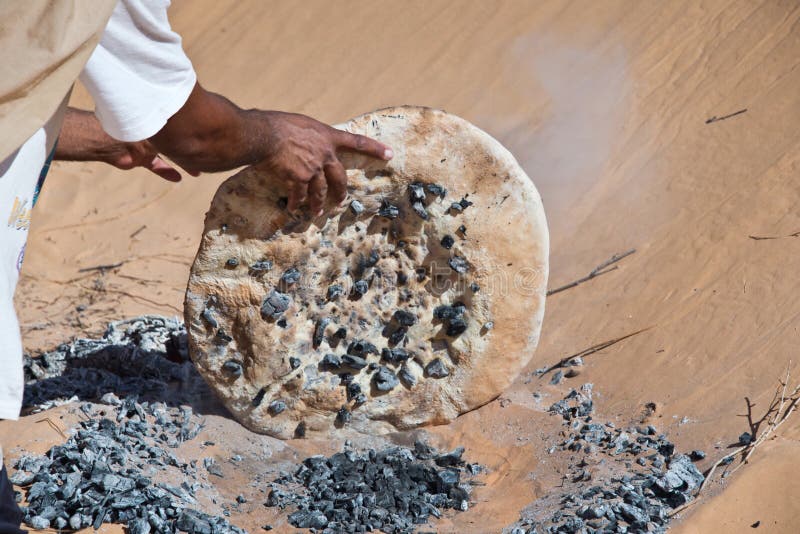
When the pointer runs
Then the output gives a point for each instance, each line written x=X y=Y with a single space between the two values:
x=605 y=105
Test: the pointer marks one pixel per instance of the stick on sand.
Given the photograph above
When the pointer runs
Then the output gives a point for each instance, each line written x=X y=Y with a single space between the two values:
x=603 y=268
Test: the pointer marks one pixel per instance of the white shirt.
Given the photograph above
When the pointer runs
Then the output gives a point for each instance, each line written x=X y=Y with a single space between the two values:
x=138 y=76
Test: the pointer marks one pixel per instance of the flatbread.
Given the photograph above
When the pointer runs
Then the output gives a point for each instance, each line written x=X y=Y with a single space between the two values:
x=274 y=301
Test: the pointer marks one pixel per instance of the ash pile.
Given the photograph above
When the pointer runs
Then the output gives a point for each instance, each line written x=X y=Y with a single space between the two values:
x=117 y=467
x=391 y=490
x=620 y=480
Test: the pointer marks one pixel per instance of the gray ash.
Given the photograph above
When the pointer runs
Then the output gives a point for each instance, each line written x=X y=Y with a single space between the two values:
x=108 y=469
x=636 y=482
x=391 y=490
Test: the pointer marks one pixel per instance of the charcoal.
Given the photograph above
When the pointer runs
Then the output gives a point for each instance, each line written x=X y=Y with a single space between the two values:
x=240 y=499
x=359 y=399
x=335 y=291
x=353 y=390
x=208 y=315
x=465 y=203
x=697 y=455
x=456 y=327
x=356 y=362
x=416 y=192
x=319 y=331
x=343 y=416
x=260 y=267
x=395 y=355
x=388 y=210
x=331 y=361
x=233 y=368
x=407 y=377
x=356 y=207
x=437 y=190
x=222 y=337
x=458 y=264
x=274 y=304
x=745 y=439
x=276 y=407
x=290 y=276
x=232 y=262
x=38 y=522
x=361 y=347
x=360 y=288
x=452 y=458
x=341 y=333
x=419 y=209
x=456 y=207
x=405 y=318
x=384 y=379
x=437 y=369
x=448 y=242
x=372 y=366
x=393 y=490
x=300 y=430
x=462 y=230
x=446 y=312
x=259 y=397
x=402 y=278
x=397 y=335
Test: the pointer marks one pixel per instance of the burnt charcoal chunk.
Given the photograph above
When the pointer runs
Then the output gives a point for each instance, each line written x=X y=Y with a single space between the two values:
x=448 y=242
x=360 y=288
x=456 y=207
x=356 y=362
x=276 y=407
x=274 y=304
x=465 y=203
x=222 y=337
x=300 y=430
x=331 y=361
x=462 y=230
x=371 y=261
x=422 y=273
x=232 y=262
x=290 y=276
x=343 y=416
x=446 y=312
x=474 y=287
x=208 y=315
x=372 y=366
x=283 y=202
x=416 y=192
x=456 y=327
x=335 y=291
x=341 y=333
x=360 y=347
x=488 y=325
x=346 y=378
x=282 y=322
x=353 y=390
x=388 y=211
x=402 y=278
x=233 y=368
x=359 y=399
x=436 y=189
x=308 y=519
x=319 y=331
x=405 y=318
x=262 y=266
x=746 y=438
x=384 y=379
x=259 y=398
x=419 y=209
x=697 y=455
x=437 y=369
x=398 y=335
x=407 y=377
x=396 y=355
x=356 y=207
x=458 y=264
x=294 y=362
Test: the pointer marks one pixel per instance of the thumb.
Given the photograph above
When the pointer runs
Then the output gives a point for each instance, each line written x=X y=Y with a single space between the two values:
x=164 y=170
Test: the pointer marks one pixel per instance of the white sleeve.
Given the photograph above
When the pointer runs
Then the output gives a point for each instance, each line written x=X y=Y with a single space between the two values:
x=139 y=75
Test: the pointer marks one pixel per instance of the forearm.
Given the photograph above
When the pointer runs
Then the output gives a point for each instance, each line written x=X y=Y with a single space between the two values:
x=83 y=139
x=210 y=133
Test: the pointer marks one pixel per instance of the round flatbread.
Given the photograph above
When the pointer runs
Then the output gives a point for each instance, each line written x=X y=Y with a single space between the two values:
x=421 y=299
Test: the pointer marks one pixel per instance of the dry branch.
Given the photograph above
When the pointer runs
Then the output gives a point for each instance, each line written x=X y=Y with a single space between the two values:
x=597 y=271
x=591 y=350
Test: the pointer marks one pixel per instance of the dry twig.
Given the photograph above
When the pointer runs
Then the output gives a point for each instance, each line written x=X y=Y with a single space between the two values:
x=779 y=410
x=603 y=268
x=591 y=350
x=102 y=268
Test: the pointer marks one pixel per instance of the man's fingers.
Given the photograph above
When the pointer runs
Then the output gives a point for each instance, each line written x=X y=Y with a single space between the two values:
x=164 y=170
x=337 y=180
x=317 y=192
x=297 y=195
x=364 y=145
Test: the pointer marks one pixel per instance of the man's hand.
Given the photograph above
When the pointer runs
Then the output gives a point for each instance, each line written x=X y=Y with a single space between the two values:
x=305 y=153
x=83 y=139
x=210 y=133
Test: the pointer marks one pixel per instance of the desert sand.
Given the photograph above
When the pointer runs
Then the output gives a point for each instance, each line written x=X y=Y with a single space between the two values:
x=605 y=106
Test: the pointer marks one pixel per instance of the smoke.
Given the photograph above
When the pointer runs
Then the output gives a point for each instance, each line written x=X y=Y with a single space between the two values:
x=569 y=105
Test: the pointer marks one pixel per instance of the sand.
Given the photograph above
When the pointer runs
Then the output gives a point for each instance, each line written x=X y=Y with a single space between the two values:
x=605 y=105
